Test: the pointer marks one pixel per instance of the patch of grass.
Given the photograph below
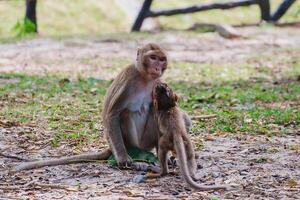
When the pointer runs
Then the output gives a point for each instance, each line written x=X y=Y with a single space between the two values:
x=242 y=106
x=71 y=108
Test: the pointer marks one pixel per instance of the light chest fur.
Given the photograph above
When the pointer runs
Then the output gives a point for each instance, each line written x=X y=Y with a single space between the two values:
x=139 y=106
x=140 y=101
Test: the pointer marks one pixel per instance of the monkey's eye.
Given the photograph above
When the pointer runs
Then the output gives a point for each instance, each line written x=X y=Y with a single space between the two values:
x=162 y=59
x=153 y=57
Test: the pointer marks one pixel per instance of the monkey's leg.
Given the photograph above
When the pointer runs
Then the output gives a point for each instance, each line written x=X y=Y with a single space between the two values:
x=128 y=128
x=149 y=138
x=162 y=156
x=134 y=139
x=114 y=135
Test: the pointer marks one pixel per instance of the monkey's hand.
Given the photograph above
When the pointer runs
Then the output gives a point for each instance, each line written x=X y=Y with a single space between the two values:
x=141 y=166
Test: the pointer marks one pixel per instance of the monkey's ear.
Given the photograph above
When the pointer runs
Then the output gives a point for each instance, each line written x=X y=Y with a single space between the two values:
x=138 y=51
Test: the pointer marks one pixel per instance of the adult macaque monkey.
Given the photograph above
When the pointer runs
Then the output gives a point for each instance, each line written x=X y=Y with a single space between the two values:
x=127 y=115
x=173 y=136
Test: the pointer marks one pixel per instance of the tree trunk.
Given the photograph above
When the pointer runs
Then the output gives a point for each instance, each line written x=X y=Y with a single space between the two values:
x=31 y=12
x=142 y=15
x=286 y=4
x=264 y=6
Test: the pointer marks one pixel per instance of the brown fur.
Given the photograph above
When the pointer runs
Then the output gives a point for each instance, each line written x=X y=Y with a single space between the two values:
x=127 y=111
x=173 y=136
x=120 y=122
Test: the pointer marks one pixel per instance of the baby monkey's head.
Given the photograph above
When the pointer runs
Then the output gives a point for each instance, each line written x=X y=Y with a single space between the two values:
x=163 y=97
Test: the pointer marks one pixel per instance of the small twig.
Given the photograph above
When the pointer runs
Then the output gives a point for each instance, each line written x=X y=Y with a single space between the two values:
x=204 y=116
x=13 y=157
x=30 y=183
x=292 y=189
x=52 y=186
x=9 y=188
x=152 y=175
x=120 y=185
x=35 y=184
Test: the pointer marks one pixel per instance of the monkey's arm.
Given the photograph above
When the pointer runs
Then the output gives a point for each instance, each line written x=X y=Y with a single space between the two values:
x=115 y=138
x=114 y=105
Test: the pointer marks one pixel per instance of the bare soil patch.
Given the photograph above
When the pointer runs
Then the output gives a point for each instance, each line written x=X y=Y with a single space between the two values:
x=255 y=166
x=103 y=58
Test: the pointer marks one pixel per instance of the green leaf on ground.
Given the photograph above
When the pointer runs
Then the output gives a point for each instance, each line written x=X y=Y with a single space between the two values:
x=137 y=155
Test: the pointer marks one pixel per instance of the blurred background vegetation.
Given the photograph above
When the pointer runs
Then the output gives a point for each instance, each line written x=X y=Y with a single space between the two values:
x=96 y=17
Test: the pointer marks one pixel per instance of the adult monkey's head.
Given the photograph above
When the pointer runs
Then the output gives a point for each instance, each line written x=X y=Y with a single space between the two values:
x=151 y=61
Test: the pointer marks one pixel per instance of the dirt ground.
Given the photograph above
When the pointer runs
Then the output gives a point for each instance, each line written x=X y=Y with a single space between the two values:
x=256 y=167
x=102 y=57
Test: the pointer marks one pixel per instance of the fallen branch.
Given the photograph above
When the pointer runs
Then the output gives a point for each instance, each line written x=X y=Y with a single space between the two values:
x=292 y=24
x=54 y=186
x=225 y=31
x=91 y=157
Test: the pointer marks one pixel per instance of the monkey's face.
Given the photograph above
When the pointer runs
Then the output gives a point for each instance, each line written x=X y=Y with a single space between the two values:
x=155 y=64
x=163 y=97
x=151 y=61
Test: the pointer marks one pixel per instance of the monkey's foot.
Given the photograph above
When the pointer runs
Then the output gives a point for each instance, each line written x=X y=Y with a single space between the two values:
x=125 y=163
x=172 y=161
x=140 y=166
x=198 y=177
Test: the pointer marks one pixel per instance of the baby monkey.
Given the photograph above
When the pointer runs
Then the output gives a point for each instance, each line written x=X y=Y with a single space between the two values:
x=173 y=136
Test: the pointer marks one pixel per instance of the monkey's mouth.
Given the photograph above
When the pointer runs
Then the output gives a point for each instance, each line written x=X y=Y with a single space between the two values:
x=155 y=75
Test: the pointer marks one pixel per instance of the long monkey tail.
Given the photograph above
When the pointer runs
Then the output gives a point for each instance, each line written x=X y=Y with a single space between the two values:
x=65 y=160
x=180 y=151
